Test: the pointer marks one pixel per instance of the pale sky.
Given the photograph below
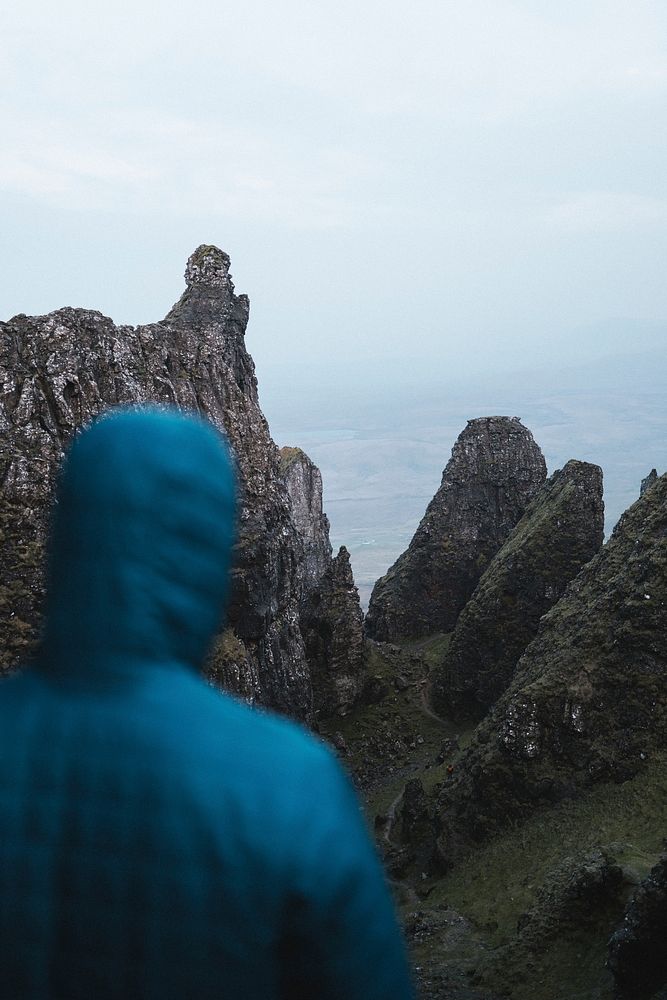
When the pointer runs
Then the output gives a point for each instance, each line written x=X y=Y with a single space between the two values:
x=422 y=185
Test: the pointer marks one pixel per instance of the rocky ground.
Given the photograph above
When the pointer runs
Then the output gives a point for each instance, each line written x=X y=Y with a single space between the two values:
x=528 y=915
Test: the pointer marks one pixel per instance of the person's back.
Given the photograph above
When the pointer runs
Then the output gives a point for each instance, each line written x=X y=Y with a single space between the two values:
x=158 y=839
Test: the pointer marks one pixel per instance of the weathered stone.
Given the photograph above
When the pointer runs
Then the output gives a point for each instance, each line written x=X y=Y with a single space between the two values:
x=637 y=955
x=304 y=487
x=560 y=532
x=331 y=619
x=648 y=482
x=58 y=371
x=588 y=702
x=332 y=624
x=494 y=472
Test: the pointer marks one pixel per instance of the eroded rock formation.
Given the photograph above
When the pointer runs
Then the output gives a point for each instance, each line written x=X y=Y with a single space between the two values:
x=330 y=613
x=332 y=625
x=588 y=701
x=648 y=481
x=560 y=532
x=304 y=487
x=495 y=470
x=58 y=371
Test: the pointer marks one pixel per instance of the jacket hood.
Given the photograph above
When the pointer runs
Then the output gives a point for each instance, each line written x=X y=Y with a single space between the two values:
x=140 y=548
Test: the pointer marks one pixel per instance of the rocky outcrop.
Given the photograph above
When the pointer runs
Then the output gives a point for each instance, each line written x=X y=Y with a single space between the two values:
x=560 y=532
x=332 y=624
x=588 y=702
x=495 y=470
x=578 y=891
x=58 y=371
x=304 y=487
x=637 y=956
x=331 y=619
x=648 y=482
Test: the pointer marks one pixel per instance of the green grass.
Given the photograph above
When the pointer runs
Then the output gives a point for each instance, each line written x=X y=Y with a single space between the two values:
x=499 y=881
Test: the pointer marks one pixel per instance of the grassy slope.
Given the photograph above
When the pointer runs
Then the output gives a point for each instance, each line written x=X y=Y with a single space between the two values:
x=462 y=927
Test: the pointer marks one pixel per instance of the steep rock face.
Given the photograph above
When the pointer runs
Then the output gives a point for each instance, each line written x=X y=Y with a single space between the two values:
x=332 y=624
x=495 y=470
x=303 y=481
x=637 y=954
x=560 y=532
x=331 y=619
x=588 y=702
x=58 y=371
x=648 y=482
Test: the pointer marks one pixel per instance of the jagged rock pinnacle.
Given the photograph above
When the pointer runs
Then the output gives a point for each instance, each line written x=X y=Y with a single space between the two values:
x=209 y=296
x=207 y=266
x=559 y=533
x=648 y=482
x=495 y=471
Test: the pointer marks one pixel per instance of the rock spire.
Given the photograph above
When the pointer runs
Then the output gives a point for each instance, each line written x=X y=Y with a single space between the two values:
x=495 y=470
x=560 y=532
x=58 y=371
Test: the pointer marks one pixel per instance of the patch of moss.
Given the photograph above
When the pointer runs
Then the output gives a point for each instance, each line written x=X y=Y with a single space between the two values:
x=288 y=456
x=498 y=882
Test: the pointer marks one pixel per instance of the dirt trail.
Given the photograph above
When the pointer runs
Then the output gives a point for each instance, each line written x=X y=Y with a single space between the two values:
x=427 y=710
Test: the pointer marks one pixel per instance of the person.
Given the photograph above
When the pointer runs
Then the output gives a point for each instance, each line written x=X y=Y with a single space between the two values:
x=159 y=839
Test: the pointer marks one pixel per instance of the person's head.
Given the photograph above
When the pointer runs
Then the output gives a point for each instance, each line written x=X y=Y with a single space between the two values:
x=141 y=539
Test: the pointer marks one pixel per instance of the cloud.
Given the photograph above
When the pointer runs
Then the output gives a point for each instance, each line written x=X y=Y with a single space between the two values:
x=607 y=212
x=130 y=164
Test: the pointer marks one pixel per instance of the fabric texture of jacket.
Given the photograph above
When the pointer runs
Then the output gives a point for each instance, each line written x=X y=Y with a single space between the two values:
x=159 y=839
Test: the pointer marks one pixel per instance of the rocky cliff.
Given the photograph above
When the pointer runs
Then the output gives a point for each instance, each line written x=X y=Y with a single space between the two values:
x=495 y=470
x=58 y=371
x=588 y=701
x=303 y=481
x=332 y=625
x=331 y=619
x=648 y=482
x=560 y=532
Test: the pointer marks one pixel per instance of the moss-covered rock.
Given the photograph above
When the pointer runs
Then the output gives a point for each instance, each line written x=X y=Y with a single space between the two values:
x=560 y=532
x=588 y=702
x=332 y=626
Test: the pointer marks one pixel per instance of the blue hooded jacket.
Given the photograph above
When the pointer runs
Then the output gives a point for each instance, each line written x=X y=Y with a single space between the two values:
x=159 y=839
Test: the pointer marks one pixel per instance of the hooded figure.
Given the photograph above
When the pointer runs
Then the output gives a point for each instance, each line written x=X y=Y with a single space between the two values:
x=158 y=839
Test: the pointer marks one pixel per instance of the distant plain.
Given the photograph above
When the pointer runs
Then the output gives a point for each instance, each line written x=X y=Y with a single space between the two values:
x=382 y=443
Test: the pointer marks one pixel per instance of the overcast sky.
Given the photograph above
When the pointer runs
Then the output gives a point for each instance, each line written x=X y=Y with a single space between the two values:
x=425 y=184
